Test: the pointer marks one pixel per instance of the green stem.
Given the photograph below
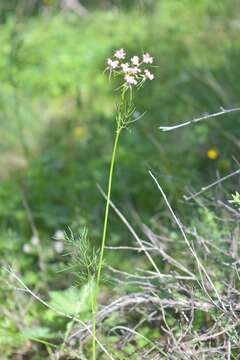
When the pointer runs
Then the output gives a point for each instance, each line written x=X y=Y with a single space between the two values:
x=94 y=309
x=107 y=206
x=105 y=225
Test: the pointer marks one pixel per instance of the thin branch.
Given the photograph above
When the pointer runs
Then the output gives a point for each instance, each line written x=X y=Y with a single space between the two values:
x=141 y=299
x=200 y=266
x=153 y=275
x=131 y=248
x=205 y=188
x=139 y=335
x=132 y=231
x=165 y=256
x=196 y=120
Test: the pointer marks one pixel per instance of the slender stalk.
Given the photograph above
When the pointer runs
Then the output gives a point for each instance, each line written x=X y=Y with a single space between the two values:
x=105 y=225
x=107 y=205
x=94 y=309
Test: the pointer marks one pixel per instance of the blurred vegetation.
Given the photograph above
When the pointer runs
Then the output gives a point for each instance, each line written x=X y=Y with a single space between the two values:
x=56 y=122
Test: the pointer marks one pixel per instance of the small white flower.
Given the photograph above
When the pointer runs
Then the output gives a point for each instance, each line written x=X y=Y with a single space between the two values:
x=130 y=80
x=59 y=235
x=148 y=75
x=147 y=59
x=35 y=240
x=134 y=70
x=135 y=60
x=112 y=64
x=120 y=54
x=27 y=249
x=125 y=67
x=58 y=246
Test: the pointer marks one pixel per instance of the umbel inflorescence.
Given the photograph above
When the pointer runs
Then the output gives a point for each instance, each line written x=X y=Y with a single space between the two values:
x=134 y=72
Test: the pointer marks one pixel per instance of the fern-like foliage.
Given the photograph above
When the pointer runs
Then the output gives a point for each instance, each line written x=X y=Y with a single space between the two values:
x=83 y=258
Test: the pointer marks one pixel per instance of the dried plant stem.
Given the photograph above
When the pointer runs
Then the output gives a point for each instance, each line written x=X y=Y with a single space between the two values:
x=202 y=118
x=208 y=187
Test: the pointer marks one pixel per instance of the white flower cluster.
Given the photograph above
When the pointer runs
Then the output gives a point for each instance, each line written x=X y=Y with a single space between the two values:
x=134 y=71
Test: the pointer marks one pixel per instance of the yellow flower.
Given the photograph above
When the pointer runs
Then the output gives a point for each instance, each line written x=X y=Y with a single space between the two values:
x=79 y=131
x=213 y=154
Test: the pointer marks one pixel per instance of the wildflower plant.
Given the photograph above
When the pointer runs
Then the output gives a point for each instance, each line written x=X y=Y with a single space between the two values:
x=133 y=73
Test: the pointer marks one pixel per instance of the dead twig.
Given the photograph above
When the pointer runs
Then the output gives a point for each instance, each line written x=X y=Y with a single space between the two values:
x=202 y=118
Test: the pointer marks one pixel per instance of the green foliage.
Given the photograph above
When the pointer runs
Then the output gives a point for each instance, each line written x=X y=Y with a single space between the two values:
x=235 y=199
x=77 y=300
x=84 y=259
